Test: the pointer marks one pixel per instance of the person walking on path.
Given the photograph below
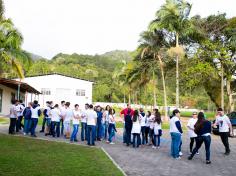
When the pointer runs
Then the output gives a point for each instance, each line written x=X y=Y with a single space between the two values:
x=136 y=129
x=176 y=133
x=203 y=131
x=192 y=135
x=75 y=119
x=111 y=127
x=225 y=128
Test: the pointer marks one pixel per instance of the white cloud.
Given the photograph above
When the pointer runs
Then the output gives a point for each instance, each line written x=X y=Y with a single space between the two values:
x=91 y=26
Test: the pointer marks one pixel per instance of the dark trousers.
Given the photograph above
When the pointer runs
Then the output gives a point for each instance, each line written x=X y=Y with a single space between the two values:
x=62 y=126
x=151 y=135
x=55 y=129
x=147 y=129
x=136 y=143
x=91 y=134
x=143 y=128
x=43 y=124
x=225 y=140
x=192 y=139
x=128 y=129
x=207 y=142
x=19 y=123
x=34 y=122
x=12 y=125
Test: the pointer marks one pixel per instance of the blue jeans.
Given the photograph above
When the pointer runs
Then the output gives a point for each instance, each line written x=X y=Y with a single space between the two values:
x=157 y=140
x=26 y=125
x=175 y=143
x=99 y=130
x=74 y=133
x=111 y=131
x=138 y=140
x=207 y=142
x=143 y=129
x=106 y=129
x=57 y=126
x=91 y=133
x=33 y=125
x=83 y=131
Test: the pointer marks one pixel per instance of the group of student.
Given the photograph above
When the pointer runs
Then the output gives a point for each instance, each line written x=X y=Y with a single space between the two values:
x=98 y=123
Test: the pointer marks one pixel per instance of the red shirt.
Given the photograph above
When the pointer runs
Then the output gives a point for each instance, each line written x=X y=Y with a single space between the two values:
x=125 y=112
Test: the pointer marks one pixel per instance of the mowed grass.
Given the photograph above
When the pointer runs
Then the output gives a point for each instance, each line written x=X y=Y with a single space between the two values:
x=25 y=156
x=4 y=120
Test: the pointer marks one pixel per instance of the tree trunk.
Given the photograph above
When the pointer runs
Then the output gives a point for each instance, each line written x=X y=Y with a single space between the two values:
x=177 y=73
x=222 y=87
x=154 y=90
x=164 y=88
x=129 y=95
x=230 y=95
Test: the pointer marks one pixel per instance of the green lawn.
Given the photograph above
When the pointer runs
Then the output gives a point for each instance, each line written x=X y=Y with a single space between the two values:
x=4 y=120
x=26 y=156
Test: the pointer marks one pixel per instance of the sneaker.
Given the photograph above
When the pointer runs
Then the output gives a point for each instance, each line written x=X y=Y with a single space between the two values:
x=190 y=153
x=112 y=143
x=107 y=142
x=154 y=147
x=197 y=153
x=178 y=158
x=208 y=162
x=41 y=131
x=24 y=134
x=158 y=147
x=227 y=153
x=180 y=154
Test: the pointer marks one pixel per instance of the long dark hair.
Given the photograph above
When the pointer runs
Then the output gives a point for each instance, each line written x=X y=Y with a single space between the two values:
x=200 y=121
x=136 y=114
x=149 y=113
x=157 y=115
x=111 y=111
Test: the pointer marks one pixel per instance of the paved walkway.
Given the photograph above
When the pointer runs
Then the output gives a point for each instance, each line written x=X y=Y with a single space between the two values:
x=146 y=161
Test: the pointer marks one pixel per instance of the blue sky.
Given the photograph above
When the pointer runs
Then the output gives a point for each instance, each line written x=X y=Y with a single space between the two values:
x=91 y=26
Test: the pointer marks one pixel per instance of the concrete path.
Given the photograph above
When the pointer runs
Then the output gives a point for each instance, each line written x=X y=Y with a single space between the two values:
x=146 y=161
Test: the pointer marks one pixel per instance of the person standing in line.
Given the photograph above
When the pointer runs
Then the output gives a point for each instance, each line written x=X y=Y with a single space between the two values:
x=13 y=117
x=192 y=135
x=176 y=133
x=55 y=112
x=128 y=114
x=147 y=128
x=63 y=113
x=99 y=123
x=91 y=125
x=106 y=123
x=151 y=130
x=36 y=112
x=48 y=115
x=45 y=115
x=76 y=119
x=84 y=123
x=67 y=119
x=143 y=125
x=27 y=117
x=111 y=127
x=203 y=130
x=19 y=108
x=157 y=129
x=225 y=128
x=136 y=129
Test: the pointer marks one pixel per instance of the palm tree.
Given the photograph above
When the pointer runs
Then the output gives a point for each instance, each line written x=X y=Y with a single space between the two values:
x=152 y=44
x=11 y=54
x=173 y=17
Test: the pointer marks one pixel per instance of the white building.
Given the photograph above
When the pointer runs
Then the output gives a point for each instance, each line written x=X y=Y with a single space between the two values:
x=12 y=90
x=57 y=87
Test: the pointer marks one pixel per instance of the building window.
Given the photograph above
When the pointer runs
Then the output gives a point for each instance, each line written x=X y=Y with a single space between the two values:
x=0 y=100
x=46 y=91
x=80 y=92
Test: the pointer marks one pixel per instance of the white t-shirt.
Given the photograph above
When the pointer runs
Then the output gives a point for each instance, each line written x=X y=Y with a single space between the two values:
x=91 y=117
x=49 y=115
x=173 y=128
x=223 y=122
x=136 y=128
x=191 y=123
x=157 y=127
x=63 y=111
x=55 y=113
x=68 y=115
x=76 y=113
x=143 y=119
x=19 y=109
x=34 y=112
x=151 y=121
x=84 y=116
x=13 y=111
x=106 y=116
x=112 y=119
x=147 y=121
